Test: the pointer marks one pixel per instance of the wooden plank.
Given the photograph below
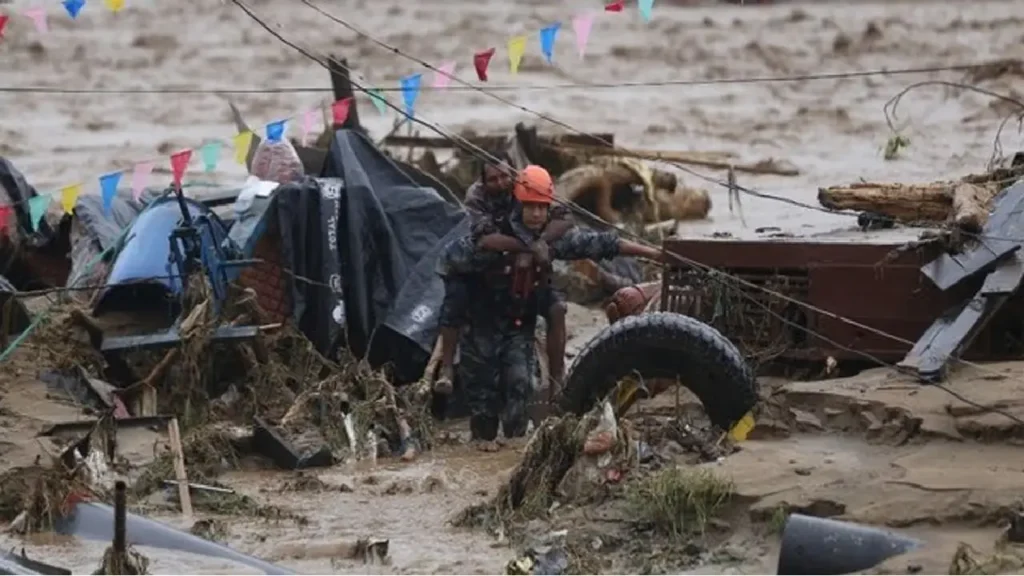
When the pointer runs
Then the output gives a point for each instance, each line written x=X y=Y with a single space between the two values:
x=179 y=467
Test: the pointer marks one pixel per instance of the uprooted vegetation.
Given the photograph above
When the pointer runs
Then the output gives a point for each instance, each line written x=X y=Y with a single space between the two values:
x=221 y=391
x=679 y=502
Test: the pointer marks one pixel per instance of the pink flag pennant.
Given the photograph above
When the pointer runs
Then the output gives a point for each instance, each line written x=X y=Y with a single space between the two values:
x=443 y=75
x=38 y=17
x=581 y=25
x=308 y=119
x=140 y=177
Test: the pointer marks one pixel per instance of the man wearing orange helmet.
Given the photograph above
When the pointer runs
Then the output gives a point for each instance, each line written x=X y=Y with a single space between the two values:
x=490 y=203
x=507 y=286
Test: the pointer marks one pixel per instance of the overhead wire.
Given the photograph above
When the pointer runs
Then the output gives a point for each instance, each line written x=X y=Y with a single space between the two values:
x=484 y=155
x=518 y=87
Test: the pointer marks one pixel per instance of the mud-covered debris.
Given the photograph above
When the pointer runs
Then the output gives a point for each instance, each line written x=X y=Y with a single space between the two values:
x=211 y=529
x=547 y=555
x=130 y=562
x=34 y=497
x=967 y=560
x=677 y=501
x=305 y=483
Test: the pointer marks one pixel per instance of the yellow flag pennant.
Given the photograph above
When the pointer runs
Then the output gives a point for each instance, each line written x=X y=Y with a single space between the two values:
x=516 y=49
x=114 y=5
x=243 y=140
x=68 y=197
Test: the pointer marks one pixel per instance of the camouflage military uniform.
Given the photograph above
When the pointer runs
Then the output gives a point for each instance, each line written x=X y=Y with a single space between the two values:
x=498 y=358
x=489 y=214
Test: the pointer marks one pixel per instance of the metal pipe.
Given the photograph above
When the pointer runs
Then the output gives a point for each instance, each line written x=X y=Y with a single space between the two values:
x=823 y=546
x=120 y=519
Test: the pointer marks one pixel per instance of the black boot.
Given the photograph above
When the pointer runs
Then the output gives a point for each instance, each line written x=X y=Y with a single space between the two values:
x=484 y=428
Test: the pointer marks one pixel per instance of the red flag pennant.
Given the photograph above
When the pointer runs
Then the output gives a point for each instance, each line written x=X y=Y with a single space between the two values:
x=6 y=212
x=340 y=110
x=481 y=60
x=3 y=24
x=179 y=162
x=616 y=6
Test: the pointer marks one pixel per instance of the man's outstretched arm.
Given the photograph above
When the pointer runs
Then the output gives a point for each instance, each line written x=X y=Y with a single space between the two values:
x=580 y=244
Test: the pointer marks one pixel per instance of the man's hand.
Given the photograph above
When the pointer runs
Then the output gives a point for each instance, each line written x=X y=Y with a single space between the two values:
x=541 y=252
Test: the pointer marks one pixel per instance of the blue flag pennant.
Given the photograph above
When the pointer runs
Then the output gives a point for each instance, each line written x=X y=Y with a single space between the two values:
x=210 y=153
x=410 y=90
x=108 y=189
x=547 y=40
x=37 y=207
x=645 y=7
x=73 y=7
x=275 y=131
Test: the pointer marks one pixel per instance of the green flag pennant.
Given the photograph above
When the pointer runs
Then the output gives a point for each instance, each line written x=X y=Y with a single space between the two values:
x=210 y=153
x=377 y=97
x=37 y=206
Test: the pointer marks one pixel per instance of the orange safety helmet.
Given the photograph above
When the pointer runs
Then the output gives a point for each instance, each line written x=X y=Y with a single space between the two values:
x=534 y=184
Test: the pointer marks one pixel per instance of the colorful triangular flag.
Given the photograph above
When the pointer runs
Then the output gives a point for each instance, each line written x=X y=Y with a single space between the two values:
x=6 y=213
x=443 y=75
x=481 y=60
x=38 y=17
x=69 y=196
x=242 y=142
x=210 y=153
x=377 y=97
x=340 y=110
x=645 y=6
x=3 y=24
x=140 y=177
x=37 y=206
x=74 y=7
x=410 y=91
x=581 y=25
x=114 y=5
x=616 y=6
x=547 y=40
x=275 y=131
x=308 y=119
x=179 y=163
x=108 y=189
x=516 y=49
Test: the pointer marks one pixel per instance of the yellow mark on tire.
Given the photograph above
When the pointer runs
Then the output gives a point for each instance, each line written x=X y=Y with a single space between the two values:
x=740 y=430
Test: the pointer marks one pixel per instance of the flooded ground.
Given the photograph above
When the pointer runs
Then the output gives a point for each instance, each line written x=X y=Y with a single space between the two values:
x=873 y=448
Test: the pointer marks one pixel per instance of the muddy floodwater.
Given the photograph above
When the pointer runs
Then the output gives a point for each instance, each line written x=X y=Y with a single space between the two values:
x=854 y=449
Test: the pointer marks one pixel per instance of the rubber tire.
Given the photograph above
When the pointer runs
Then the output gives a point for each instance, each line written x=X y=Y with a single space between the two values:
x=663 y=345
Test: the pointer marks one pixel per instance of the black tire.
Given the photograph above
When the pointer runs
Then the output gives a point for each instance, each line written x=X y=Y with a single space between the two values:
x=663 y=345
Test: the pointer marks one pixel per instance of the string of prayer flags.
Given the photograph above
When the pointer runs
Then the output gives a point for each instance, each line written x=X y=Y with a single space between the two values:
x=377 y=97
x=179 y=162
x=38 y=17
x=410 y=90
x=242 y=142
x=37 y=206
x=481 y=60
x=73 y=7
x=547 y=40
x=581 y=25
x=616 y=6
x=108 y=189
x=140 y=177
x=443 y=75
x=340 y=110
x=114 y=6
x=69 y=196
x=645 y=6
x=516 y=49
x=210 y=153
x=275 y=131
x=3 y=24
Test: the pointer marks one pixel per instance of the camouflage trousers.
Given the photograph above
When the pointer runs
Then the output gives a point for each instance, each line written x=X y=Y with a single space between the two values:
x=497 y=368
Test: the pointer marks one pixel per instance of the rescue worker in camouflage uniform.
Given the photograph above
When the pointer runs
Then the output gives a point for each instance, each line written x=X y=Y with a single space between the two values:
x=505 y=287
x=490 y=203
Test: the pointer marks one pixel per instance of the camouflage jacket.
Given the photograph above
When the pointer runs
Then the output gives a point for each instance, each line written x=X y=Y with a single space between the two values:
x=463 y=256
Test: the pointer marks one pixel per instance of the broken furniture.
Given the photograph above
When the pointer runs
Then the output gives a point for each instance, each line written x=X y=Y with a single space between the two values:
x=875 y=282
x=994 y=259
